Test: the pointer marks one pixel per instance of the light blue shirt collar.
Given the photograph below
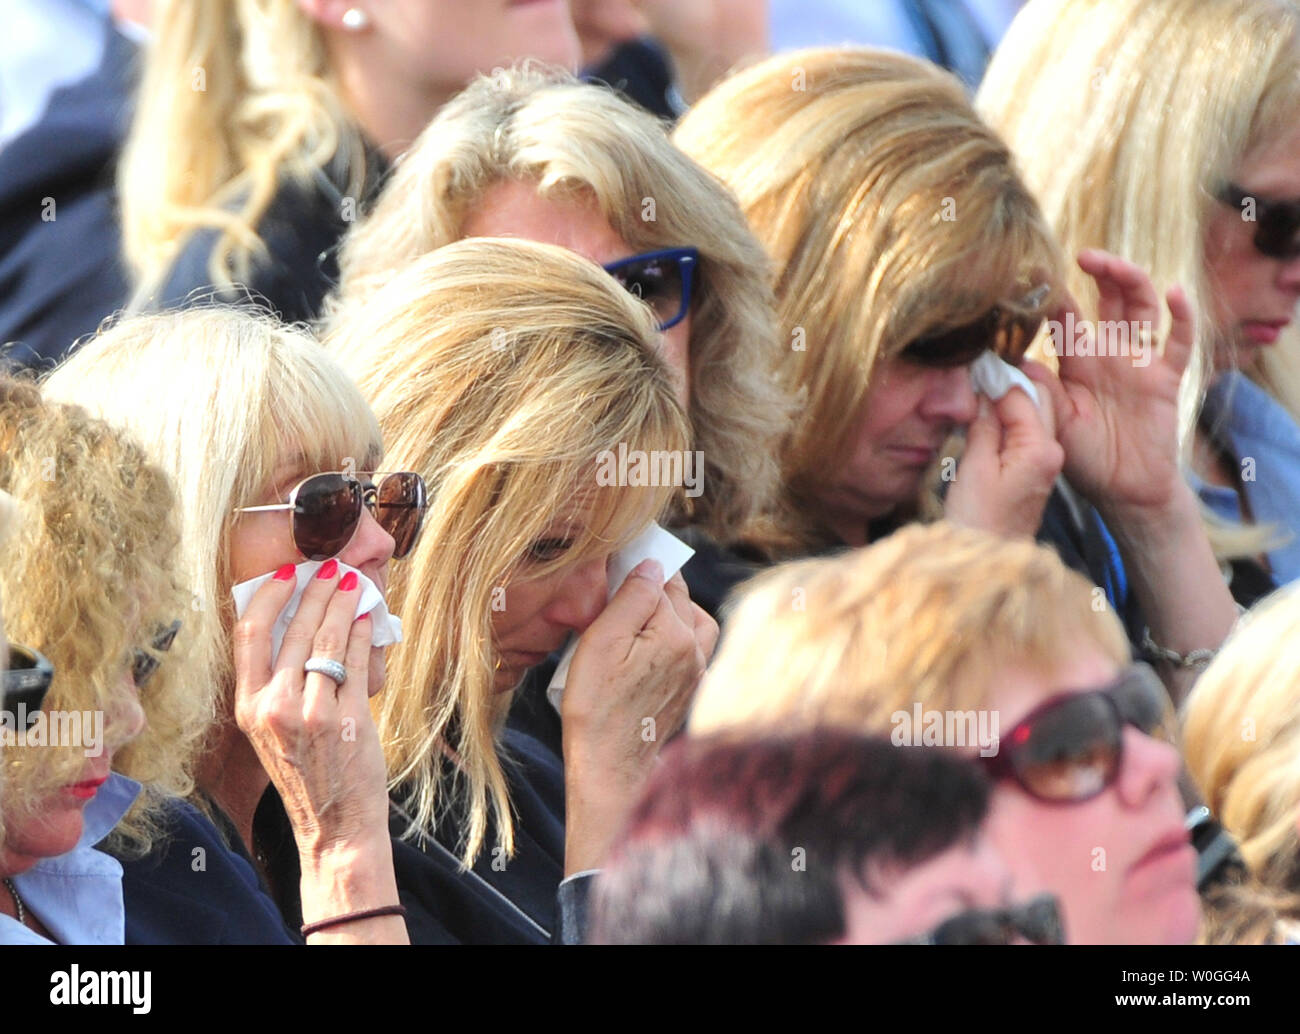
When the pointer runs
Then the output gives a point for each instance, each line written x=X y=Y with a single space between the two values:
x=78 y=895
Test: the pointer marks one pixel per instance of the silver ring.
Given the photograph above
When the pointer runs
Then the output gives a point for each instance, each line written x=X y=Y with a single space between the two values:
x=329 y=668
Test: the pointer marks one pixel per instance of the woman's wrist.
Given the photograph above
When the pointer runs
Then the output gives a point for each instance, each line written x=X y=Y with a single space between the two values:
x=346 y=878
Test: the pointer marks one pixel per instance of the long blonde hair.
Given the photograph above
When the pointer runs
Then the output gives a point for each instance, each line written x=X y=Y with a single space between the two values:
x=1127 y=116
x=236 y=98
x=1241 y=739
x=220 y=398
x=536 y=125
x=889 y=210
x=500 y=370
x=87 y=578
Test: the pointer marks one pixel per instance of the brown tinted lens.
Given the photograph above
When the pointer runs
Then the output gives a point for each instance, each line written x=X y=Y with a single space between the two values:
x=1015 y=335
x=1071 y=751
x=399 y=509
x=328 y=507
x=956 y=347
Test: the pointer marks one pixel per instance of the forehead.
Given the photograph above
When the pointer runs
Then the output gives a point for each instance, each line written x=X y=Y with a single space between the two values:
x=1018 y=690
x=514 y=209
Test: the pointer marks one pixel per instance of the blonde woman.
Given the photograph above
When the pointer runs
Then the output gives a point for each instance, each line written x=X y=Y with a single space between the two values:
x=89 y=713
x=502 y=371
x=262 y=126
x=1006 y=646
x=533 y=154
x=1165 y=132
x=246 y=416
x=905 y=246
x=1241 y=738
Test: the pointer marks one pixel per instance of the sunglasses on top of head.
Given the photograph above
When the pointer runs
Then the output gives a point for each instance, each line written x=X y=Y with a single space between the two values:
x=1037 y=921
x=1070 y=748
x=327 y=510
x=661 y=279
x=1277 y=233
x=1005 y=330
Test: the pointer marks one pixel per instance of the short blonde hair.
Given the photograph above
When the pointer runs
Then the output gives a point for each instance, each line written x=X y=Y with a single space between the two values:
x=541 y=126
x=930 y=614
x=1241 y=739
x=220 y=398
x=500 y=370
x=88 y=578
x=1127 y=117
x=890 y=211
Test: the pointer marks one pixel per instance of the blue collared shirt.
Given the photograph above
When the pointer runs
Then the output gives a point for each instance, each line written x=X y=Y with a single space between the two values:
x=1264 y=441
x=78 y=895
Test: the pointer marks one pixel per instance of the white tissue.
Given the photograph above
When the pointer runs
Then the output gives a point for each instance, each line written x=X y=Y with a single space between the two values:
x=993 y=377
x=385 y=628
x=653 y=543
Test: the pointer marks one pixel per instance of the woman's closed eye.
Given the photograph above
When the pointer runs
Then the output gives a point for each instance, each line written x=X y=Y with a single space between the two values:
x=549 y=549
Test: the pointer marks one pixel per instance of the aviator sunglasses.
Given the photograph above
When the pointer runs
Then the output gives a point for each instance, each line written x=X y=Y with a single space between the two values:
x=1277 y=233
x=327 y=510
x=1005 y=330
x=1038 y=921
x=661 y=279
x=1070 y=749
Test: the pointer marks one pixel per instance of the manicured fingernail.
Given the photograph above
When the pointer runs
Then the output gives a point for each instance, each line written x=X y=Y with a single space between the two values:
x=348 y=582
x=328 y=570
x=364 y=616
x=284 y=573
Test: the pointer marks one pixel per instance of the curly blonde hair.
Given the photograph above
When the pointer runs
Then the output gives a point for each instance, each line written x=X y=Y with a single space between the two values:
x=537 y=125
x=499 y=370
x=87 y=578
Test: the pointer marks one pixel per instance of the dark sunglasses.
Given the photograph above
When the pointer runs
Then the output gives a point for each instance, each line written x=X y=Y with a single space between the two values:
x=1071 y=748
x=661 y=279
x=1277 y=233
x=27 y=679
x=327 y=510
x=1005 y=330
x=144 y=663
x=1037 y=921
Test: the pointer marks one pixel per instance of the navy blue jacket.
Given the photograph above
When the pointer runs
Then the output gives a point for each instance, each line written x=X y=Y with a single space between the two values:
x=193 y=889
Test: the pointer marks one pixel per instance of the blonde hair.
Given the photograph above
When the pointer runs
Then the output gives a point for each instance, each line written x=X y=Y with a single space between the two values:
x=236 y=98
x=87 y=578
x=541 y=126
x=1241 y=739
x=220 y=398
x=933 y=613
x=890 y=211
x=1127 y=117
x=500 y=371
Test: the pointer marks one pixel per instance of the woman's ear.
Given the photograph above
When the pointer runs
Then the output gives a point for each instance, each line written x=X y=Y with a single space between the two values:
x=337 y=15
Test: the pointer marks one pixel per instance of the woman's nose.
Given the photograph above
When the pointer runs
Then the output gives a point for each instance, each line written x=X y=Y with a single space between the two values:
x=371 y=547
x=951 y=396
x=581 y=596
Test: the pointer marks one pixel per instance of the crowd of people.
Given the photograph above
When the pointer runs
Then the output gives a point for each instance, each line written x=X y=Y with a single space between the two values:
x=738 y=494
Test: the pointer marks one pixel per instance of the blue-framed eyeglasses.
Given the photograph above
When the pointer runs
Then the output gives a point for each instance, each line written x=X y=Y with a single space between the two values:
x=661 y=279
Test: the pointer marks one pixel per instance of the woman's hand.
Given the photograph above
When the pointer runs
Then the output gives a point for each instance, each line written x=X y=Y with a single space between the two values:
x=318 y=743
x=1118 y=418
x=628 y=690
x=1006 y=473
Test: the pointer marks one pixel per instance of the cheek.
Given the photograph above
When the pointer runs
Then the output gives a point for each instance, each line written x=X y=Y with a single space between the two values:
x=259 y=544
x=518 y=602
x=677 y=353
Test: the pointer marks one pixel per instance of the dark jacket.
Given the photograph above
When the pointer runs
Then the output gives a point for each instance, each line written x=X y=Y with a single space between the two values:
x=193 y=889
x=60 y=276
x=301 y=229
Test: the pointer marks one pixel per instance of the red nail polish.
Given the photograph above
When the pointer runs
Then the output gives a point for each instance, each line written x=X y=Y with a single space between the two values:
x=363 y=617
x=328 y=570
x=348 y=582
x=284 y=573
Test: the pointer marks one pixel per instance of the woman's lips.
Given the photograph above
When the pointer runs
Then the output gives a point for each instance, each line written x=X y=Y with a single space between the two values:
x=87 y=789
x=1264 y=332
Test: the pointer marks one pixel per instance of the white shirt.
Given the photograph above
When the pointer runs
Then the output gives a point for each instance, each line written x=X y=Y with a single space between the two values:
x=78 y=895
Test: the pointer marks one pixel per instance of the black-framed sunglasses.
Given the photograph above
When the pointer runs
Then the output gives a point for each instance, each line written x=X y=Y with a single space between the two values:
x=327 y=510
x=1071 y=748
x=1005 y=330
x=661 y=279
x=144 y=663
x=1037 y=921
x=1277 y=223
x=27 y=679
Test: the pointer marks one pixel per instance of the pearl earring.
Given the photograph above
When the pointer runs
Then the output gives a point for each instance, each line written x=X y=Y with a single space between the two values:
x=355 y=19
